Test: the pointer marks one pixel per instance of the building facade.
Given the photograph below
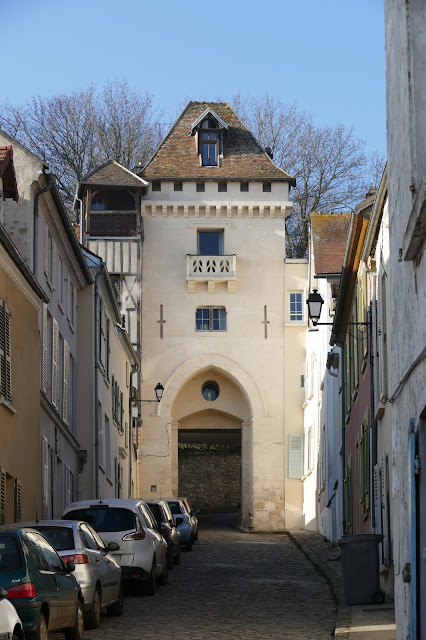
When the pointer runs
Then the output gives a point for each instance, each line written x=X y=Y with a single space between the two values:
x=21 y=299
x=223 y=313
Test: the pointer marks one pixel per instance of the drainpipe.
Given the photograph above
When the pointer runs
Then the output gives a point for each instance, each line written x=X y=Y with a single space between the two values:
x=343 y=404
x=96 y=352
x=48 y=174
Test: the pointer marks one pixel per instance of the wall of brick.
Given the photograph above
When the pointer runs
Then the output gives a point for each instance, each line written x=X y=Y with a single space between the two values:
x=211 y=482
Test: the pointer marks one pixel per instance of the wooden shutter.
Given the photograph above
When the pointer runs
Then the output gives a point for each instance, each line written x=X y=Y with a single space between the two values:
x=67 y=384
x=5 y=353
x=383 y=356
x=17 y=490
x=44 y=353
x=55 y=364
x=46 y=250
x=385 y=509
x=295 y=456
x=54 y=264
x=67 y=483
x=45 y=472
x=2 y=496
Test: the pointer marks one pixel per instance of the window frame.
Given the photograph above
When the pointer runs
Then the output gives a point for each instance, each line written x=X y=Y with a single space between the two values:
x=211 y=319
x=296 y=320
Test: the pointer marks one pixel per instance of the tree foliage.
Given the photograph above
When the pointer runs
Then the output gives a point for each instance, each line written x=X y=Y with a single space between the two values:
x=76 y=132
x=331 y=167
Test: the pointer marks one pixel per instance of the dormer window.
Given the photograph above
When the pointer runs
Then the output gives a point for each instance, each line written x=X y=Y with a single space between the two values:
x=113 y=201
x=208 y=130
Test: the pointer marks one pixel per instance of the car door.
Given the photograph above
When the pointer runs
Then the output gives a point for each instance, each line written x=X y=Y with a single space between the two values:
x=66 y=585
x=160 y=545
x=108 y=570
x=46 y=584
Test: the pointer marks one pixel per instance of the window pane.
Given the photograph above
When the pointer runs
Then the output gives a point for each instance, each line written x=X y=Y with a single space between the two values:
x=219 y=320
x=202 y=320
x=120 y=201
x=296 y=307
x=210 y=243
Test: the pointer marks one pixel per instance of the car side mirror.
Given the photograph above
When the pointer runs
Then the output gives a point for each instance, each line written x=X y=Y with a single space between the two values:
x=69 y=567
x=179 y=521
x=112 y=546
x=3 y=594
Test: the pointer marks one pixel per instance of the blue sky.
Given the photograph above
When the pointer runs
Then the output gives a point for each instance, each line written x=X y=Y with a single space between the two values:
x=327 y=56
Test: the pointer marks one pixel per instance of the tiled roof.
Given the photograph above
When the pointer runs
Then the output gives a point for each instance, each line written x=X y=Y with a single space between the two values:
x=329 y=232
x=7 y=173
x=243 y=157
x=110 y=173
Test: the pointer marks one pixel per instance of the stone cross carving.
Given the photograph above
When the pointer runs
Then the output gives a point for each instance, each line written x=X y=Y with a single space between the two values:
x=265 y=321
x=161 y=321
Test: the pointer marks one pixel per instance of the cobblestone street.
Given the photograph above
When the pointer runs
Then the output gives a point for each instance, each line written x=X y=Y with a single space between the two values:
x=232 y=585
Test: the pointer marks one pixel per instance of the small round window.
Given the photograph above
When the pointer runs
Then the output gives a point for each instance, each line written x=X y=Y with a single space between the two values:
x=210 y=391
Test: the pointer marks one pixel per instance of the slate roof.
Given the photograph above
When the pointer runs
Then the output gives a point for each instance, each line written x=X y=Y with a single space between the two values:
x=176 y=157
x=110 y=173
x=329 y=233
x=7 y=173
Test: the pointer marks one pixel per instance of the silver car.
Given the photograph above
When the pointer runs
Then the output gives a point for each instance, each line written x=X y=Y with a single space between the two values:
x=97 y=571
x=183 y=521
x=10 y=623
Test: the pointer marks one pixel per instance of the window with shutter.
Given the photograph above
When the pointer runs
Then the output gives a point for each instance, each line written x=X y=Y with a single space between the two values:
x=67 y=485
x=384 y=474
x=55 y=364
x=295 y=456
x=17 y=489
x=2 y=496
x=348 y=496
x=5 y=354
x=67 y=381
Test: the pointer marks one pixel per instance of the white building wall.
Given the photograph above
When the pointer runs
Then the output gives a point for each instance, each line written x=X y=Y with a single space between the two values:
x=406 y=126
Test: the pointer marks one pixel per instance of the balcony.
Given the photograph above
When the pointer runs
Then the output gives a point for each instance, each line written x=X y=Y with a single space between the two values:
x=211 y=269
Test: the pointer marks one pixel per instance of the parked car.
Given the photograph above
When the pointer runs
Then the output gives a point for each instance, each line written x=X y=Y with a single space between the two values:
x=142 y=552
x=96 y=569
x=183 y=521
x=44 y=591
x=10 y=623
x=193 y=517
x=161 y=512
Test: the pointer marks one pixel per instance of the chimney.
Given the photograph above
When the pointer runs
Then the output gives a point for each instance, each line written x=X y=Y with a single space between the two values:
x=269 y=152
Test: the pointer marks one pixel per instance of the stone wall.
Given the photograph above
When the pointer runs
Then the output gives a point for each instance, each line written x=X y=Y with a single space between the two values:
x=211 y=481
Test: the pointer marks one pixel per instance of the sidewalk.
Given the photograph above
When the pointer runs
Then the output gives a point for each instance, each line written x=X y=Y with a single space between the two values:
x=356 y=622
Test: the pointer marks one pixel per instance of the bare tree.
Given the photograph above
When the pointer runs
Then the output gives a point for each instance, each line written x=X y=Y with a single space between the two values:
x=74 y=133
x=330 y=165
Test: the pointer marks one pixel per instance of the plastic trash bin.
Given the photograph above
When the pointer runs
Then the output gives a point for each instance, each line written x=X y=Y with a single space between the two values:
x=360 y=568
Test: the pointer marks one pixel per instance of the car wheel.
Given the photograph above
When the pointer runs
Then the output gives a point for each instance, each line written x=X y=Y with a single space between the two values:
x=77 y=631
x=176 y=559
x=164 y=578
x=41 y=631
x=151 y=585
x=117 y=608
x=92 y=619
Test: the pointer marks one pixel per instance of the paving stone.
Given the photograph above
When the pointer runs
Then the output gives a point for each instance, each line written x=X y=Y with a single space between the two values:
x=232 y=585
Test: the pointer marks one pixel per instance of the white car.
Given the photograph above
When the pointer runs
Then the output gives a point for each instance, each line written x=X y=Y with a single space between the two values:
x=142 y=552
x=10 y=623
x=183 y=521
x=97 y=571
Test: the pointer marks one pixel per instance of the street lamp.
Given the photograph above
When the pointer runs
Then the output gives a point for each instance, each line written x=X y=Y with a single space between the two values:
x=315 y=303
x=159 y=390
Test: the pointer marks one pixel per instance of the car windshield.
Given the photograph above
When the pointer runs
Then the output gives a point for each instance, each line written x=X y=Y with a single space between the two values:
x=10 y=554
x=104 y=518
x=175 y=507
x=61 y=538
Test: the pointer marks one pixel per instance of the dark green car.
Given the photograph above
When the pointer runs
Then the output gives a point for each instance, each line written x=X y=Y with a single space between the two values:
x=43 y=590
